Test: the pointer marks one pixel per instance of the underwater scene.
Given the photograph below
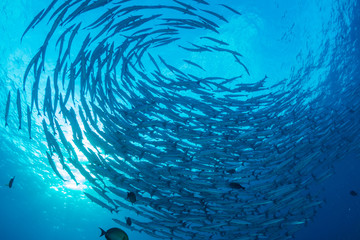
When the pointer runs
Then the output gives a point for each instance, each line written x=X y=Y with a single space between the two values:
x=180 y=119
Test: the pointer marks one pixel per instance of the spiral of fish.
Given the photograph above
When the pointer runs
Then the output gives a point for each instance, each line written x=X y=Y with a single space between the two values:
x=194 y=154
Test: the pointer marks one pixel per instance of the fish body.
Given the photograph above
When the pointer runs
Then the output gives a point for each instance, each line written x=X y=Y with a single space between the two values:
x=128 y=221
x=235 y=185
x=100 y=203
x=11 y=182
x=114 y=234
x=215 y=40
x=33 y=23
x=53 y=166
x=231 y=9
x=194 y=64
x=353 y=193
x=131 y=197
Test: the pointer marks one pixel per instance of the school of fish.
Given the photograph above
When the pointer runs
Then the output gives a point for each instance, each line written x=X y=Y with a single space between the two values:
x=192 y=155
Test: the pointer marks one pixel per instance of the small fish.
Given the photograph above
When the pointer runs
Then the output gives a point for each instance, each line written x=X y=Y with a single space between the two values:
x=128 y=221
x=236 y=185
x=202 y=2
x=194 y=64
x=53 y=166
x=216 y=15
x=7 y=109
x=114 y=234
x=231 y=171
x=33 y=23
x=131 y=197
x=231 y=9
x=11 y=182
x=187 y=6
x=215 y=40
x=353 y=193
x=100 y=203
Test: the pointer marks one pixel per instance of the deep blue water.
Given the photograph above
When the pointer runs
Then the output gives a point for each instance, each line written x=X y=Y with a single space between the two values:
x=279 y=39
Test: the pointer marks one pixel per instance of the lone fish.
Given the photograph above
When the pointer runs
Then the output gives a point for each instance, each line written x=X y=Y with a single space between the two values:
x=11 y=182
x=114 y=234
x=131 y=197
x=353 y=193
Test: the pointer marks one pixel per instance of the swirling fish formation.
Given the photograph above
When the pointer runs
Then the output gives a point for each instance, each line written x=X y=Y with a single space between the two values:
x=193 y=155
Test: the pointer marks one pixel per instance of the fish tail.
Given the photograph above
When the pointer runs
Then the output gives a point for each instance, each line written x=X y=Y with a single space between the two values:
x=6 y=124
x=114 y=210
x=102 y=232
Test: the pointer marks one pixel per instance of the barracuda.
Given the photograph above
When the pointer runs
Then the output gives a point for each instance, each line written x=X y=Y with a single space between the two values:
x=191 y=154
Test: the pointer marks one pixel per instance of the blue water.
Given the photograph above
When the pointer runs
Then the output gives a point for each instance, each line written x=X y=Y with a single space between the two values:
x=279 y=39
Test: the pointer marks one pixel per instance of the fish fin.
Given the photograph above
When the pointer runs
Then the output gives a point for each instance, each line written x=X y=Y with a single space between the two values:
x=102 y=232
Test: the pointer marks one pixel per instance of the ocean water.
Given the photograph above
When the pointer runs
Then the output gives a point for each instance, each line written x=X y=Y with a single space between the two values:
x=301 y=58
